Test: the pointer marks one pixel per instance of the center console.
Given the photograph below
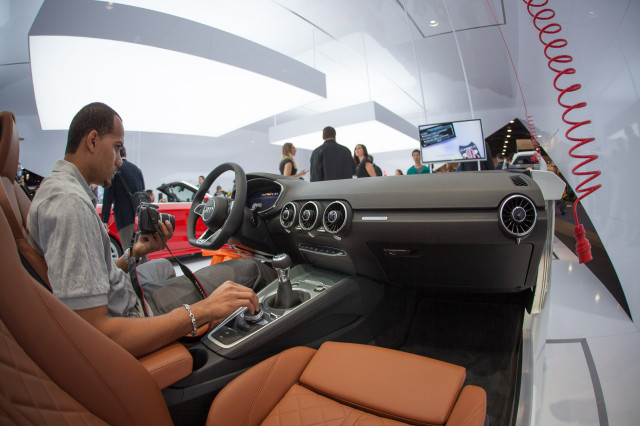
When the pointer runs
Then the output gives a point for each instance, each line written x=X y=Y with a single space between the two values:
x=304 y=307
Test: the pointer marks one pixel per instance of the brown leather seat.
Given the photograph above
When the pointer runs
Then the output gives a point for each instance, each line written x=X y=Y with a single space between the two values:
x=349 y=384
x=13 y=200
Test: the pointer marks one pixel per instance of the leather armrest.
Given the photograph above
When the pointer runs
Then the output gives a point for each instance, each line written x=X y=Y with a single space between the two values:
x=169 y=364
x=390 y=383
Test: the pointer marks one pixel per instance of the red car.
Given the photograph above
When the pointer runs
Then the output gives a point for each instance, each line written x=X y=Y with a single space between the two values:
x=179 y=196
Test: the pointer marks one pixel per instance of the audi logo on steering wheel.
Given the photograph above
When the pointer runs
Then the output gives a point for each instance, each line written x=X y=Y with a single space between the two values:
x=208 y=211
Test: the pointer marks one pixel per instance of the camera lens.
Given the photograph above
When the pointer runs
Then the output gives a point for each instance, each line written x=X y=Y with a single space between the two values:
x=170 y=218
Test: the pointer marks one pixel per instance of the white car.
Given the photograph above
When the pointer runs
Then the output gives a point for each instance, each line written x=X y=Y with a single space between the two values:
x=527 y=159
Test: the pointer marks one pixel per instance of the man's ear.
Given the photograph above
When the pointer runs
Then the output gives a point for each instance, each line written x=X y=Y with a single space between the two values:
x=92 y=140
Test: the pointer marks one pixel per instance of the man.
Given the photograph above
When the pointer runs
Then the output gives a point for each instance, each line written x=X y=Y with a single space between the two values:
x=66 y=230
x=331 y=160
x=502 y=164
x=417 y=168
x=127 y=181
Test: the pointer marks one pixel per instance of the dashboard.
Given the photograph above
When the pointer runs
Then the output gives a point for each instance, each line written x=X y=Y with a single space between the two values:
x=438 y=230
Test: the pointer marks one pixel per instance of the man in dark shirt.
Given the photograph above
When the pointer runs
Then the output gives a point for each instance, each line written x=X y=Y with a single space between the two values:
x=119 y=195
x=331 y=160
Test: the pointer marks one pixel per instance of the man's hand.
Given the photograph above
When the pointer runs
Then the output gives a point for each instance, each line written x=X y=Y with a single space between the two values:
x=152 y=241
x=224 y=301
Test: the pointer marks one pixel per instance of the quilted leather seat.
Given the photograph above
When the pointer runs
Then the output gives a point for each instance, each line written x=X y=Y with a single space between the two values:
x=349 y=384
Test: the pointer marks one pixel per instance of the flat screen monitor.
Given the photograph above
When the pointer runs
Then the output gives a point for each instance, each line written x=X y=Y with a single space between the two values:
x=452 y=141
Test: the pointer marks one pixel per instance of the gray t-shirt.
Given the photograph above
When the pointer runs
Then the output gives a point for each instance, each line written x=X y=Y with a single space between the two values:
x=65 y=228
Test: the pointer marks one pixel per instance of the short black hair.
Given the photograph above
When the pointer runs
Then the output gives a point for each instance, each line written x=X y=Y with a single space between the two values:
x=415 y=150
x=95 y=116
x=328 y=133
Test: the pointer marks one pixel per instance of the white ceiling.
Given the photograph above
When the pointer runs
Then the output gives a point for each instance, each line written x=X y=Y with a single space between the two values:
x=369 y=50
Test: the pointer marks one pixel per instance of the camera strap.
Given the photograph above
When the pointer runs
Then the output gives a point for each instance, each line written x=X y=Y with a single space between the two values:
x=133 y=275
x=187 y=273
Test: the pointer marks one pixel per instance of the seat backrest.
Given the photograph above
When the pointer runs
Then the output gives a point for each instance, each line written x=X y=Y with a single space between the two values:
x=58 y=369
x=13 y=200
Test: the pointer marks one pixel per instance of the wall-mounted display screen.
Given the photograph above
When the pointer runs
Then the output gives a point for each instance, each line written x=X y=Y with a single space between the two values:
x=452 y=141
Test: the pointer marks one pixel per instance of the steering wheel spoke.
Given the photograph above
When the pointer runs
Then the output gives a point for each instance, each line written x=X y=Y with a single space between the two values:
x=206 y=236
x=199 y=209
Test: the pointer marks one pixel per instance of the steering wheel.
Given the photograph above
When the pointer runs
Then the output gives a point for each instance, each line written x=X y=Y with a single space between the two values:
x=222 y=216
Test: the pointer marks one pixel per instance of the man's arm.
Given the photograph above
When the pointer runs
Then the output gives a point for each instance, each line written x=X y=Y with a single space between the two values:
x=107 y=200
x=140 y=336
x=317 y=172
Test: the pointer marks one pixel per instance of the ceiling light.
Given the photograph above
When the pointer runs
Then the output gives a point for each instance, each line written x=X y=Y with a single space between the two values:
x=369 y=123
x=164 y=82
x=508 y=136
x=509 y=130
x=433 y=23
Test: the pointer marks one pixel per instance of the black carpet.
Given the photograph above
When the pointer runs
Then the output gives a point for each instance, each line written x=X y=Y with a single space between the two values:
x=483 y=337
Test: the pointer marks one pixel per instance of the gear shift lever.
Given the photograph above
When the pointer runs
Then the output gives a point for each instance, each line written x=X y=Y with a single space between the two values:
x=285 y=297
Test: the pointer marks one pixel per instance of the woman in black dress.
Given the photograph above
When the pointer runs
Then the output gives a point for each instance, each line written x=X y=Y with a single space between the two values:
x=364 y=166
x=288 y=164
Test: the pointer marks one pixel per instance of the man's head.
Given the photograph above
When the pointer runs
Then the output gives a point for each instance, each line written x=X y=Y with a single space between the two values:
x=415 y=154
x=328 y=133
x=95 y=138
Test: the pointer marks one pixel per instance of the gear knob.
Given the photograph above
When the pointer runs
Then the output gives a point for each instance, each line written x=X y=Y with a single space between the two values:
x=281 y=261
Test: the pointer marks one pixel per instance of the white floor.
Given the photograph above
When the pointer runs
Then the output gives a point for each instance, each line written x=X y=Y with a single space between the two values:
x=592 y=356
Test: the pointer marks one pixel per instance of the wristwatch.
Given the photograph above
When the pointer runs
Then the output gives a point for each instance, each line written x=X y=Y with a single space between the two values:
x=127 y=256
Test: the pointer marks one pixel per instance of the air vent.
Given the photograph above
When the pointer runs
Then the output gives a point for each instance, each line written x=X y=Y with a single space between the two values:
x=309 y=215
x=519 y=181
x=517 y=215
x=288 y=215
x=335 y=217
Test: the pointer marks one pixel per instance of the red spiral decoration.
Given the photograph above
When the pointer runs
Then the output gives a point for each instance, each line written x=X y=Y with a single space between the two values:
x=541 y=15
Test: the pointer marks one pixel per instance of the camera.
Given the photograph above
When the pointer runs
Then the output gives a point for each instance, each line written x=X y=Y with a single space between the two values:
x=148 y=217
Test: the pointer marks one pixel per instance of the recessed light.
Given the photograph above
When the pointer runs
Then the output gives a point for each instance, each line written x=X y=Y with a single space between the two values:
x=433 y=23
x=508 y=130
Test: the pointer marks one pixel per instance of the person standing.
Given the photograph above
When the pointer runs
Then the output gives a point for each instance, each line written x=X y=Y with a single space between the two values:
x=288 y=164
x=417 y=168
x=127 y=181
x=364 y=166
x=331 y=161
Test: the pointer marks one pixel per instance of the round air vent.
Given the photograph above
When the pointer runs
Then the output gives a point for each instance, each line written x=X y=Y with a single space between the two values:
x=335 y=217
x=309 y=214
x=288 y=215
x=517 y=215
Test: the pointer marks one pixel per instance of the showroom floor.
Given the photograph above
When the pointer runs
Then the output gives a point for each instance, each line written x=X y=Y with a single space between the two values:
x=592 y=357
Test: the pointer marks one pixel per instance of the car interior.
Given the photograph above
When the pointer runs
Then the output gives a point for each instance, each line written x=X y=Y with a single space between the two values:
x=400 y=298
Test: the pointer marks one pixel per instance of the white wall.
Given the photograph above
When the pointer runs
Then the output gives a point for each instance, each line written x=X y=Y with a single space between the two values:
x=606 y=55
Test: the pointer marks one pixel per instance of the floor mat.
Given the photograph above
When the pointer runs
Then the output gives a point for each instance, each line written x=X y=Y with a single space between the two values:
x=483 y=337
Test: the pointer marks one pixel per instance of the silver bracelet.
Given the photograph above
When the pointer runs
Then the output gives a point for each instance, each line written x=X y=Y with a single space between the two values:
x=193 y=320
